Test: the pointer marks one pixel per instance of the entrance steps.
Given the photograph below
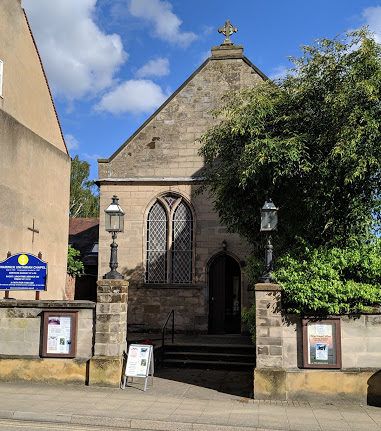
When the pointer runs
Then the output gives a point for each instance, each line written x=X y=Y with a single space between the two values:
x=209 y=356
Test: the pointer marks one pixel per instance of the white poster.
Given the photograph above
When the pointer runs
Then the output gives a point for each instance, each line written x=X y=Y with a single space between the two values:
x=138 y=360
x=321 y=353
x=323 y=329
x=59 y=334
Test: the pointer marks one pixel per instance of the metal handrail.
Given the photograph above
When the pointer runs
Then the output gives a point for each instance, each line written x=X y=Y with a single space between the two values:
x=171 y=313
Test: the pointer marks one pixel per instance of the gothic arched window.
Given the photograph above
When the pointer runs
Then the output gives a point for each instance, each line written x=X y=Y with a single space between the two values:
x=169 y=245
x=157 y=232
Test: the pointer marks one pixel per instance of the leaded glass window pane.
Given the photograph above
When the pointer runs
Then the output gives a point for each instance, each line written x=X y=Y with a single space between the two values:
x=182 y=234
x=157 y=228
x=170 y=200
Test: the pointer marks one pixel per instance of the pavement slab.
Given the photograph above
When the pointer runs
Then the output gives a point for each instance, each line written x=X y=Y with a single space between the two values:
x=172 y=405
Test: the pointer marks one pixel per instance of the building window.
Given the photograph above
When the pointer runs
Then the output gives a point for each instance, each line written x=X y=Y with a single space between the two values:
x=182 y=233
x=94 y=249
x=169 y=241
x=1 y=78
x=157 y=232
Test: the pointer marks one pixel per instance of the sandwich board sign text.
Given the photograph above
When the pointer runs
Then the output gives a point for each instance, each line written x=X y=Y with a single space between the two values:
x=139 y=362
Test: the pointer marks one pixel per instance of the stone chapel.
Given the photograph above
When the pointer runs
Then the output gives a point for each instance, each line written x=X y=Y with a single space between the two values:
x=174 y=250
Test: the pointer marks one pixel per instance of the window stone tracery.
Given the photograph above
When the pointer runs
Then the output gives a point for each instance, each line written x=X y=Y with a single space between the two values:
x=169 y=241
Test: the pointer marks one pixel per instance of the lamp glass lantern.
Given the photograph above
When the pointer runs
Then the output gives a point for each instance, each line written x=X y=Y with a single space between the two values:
x=269 y=217
x=269 y=223
x=114 y=216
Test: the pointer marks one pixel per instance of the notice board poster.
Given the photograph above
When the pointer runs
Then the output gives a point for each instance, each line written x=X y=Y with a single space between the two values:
x=321 y=344
x=139 y=360
x=59 y=334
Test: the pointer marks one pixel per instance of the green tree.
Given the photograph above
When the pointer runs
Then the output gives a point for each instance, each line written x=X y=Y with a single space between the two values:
x=331 y=280
x=311 y=141
x=75 y=266
x=83 y=202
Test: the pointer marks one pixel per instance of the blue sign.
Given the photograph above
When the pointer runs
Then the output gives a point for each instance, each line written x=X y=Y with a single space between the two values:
x=23 y=272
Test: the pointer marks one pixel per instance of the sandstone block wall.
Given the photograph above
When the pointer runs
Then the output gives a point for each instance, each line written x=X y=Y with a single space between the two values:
x=279 y=373
x=279 y=336
x=149 y=308
x=361 y=341
x=111 y=318
x=167 y=146
x=21 y=327
x=165 y=149
x=190 y=301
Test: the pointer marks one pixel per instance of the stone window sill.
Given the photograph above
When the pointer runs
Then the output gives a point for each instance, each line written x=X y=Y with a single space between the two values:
x=170 y=286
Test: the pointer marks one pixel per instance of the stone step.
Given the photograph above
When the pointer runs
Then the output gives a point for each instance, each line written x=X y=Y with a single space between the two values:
x=207 y=364
x=211 y=348
x=215 y=356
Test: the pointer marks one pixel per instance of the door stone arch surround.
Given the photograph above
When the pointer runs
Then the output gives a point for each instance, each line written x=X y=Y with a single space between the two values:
x=224 y=294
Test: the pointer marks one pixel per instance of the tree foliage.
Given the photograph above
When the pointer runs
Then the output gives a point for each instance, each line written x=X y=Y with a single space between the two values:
x=83 y=202
x=75 y=266
x=331 y=280
x=311 y=141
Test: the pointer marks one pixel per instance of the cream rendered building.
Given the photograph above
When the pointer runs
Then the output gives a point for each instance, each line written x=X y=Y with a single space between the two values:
x=174 y=251
x=34 y=162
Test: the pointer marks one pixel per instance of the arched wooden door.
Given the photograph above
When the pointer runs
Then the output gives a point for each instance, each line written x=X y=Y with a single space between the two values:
x=224 y=296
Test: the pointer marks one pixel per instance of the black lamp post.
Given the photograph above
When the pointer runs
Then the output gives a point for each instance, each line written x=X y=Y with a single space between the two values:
x=114 y=223
x=269 y=222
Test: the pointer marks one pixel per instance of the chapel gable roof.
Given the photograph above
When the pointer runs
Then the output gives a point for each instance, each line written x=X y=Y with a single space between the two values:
x=166 y=146
x=220 y=56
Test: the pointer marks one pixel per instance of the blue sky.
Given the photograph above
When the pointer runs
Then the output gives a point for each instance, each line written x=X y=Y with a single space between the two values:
x=111 y=63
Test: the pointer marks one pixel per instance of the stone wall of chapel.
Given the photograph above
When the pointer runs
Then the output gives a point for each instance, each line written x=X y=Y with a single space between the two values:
x=150 y=305
x=167 y=146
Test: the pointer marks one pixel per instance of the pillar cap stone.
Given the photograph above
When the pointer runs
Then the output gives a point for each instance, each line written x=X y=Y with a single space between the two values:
x=267 y=287
x=227 y=51
x=112 y=285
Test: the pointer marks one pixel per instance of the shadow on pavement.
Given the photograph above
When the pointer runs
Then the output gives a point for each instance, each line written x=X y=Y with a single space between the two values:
x=238 y=383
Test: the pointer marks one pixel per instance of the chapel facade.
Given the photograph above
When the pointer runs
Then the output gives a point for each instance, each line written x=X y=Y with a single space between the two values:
x=174 y=251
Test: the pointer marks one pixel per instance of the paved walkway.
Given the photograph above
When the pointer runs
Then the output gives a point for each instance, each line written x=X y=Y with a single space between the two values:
x=173 y=405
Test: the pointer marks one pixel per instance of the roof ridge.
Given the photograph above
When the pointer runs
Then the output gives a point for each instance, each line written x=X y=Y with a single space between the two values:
x=46 y=79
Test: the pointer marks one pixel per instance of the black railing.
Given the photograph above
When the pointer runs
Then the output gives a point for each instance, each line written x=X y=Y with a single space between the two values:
x=163 y=329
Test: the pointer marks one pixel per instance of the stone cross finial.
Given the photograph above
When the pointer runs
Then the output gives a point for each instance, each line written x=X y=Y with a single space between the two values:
x=227 y=30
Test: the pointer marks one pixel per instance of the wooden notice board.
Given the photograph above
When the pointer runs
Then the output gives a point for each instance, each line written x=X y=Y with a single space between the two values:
x=59 y=338
x=321 y=343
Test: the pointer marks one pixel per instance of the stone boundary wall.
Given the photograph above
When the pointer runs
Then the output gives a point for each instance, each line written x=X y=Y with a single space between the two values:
x=148 y=308
x=21 y=327
x=279 y=372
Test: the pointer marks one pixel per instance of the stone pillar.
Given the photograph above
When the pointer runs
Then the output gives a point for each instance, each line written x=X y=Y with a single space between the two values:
x=269 y=376
x=70 y=287
x=110 y=333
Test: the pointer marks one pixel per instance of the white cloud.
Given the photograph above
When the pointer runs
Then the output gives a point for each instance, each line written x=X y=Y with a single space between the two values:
x=79 y=58
x=71 y=142
x=372 y=17
x=166 y=23
x=158 y=67
x=279 y=72
x=94 y=157
x=135 y=95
